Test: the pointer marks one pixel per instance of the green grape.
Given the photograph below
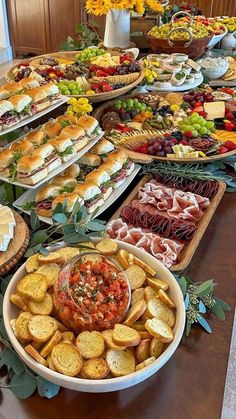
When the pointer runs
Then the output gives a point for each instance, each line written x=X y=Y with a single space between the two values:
x=197 y=127
x=210 y=125
x=203 y=130
x=194 y=133
x=195 y=114
x=202 y=122
x=149 y=109
x=130 y=103
x=136 y=100
x=118 y=106
x=144 y=105
x=67 y=92
x=188 y=128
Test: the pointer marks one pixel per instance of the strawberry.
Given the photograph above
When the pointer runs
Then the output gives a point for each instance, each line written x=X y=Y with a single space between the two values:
x=184 y=142
x=229 y=126
x=230 y=145
x=229 y=115
x=222 y=150
x=198 y=104
x=107 y=88
x=101 y=73
x=111 y=71
x=188 y=134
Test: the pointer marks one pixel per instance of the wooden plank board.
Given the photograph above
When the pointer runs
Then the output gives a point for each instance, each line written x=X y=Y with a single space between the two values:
x=190 y=248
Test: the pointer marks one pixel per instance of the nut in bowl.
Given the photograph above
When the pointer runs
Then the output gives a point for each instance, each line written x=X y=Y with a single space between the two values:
x=99 y=360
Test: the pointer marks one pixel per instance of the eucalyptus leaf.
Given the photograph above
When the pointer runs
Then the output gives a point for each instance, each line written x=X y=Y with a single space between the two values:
x=223 y=305
x=204 y=324
x=5 y=357
x=16 y=364
x=217 y=310
x=187 y=301
x=34 y=220
x=188 y=327
x=43 y=251
x=183 y=284
x=58 y=209
x=59 y=218
x=75 y=238
x=3 y=332
x=201 y=307
x=68 y=229
x=32 y=250
x=81 y=214
x=4 y=283
x=23 y=385
x=39 y=237
x=46 y=388
x=95 y=226
x=205 y=288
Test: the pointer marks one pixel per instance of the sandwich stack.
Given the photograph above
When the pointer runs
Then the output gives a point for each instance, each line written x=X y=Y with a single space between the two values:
x=7 y=225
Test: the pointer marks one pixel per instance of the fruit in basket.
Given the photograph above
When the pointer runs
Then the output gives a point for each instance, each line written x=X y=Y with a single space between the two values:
x=196 y=126
x=70 y=88
x=88 y=54
x=229 y=22
x=199 y=31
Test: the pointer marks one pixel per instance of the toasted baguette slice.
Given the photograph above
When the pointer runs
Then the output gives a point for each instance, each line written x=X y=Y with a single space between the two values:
x=51 y=271
x=90 y=344
x=143 y=350
x=61 y=326
x=87 y=244
x=120 y=363
x=13 y=326
x=22 y=326
x=53 y=257
x=156 y=308
x=137 y=295
x=50 y=363
x=156 y=347
x=95 y=368
x=19 y=301
x=125 y=336
x=107 y=247
x=37 y=345
x=159 y=330
x=122 y=258
x=35 y=354
x=144 y=266
x=32 y=264
x=66 y=359
x=145 y=334
x=136 y=276
x=43 y=307
x=166 y=299
x=139 y=326
x=41 y=328
x=69 y=336
x=145 y=363
x=48 y=346
x=135 y=312
x=107 y=334
x=33 y=286
x=149 y=293
x=157 y=284
x=68 y=253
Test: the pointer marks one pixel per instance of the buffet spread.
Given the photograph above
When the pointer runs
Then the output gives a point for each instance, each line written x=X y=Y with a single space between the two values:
x=105 y=313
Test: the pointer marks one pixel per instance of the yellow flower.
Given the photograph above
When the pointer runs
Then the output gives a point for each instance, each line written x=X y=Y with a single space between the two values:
x=101 y=7
x=174 y=108
x=83 y=101
x=77 y=108
x=139 y=6
x=154 y=6
x=70 y=113
x=72 y=101
x=70 y=108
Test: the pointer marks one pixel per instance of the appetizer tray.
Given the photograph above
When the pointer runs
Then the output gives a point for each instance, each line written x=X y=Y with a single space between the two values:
x=30 y=195
x=32 y=118
x=182 y=88
x=189 y=249
x=58 y=169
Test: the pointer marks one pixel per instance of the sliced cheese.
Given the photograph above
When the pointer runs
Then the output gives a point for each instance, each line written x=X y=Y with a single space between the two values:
x=7 y=229
x=214 y=110
x=4 y=242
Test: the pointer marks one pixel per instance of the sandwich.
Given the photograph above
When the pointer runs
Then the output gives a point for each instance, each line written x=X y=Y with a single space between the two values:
x=6 y=159
x=44 y=199
x=49 y=155
x=90 y=125
x=39 y=98
x=73 y=171
x=13 y=110
x=65 y=120
x=101 y=178
x=103 y=148
x=91 y=194
x=88 y=162
x=52 y=92
x=31 y=169
x=28 y=83
x=66 y=183
x=64 y=147
x=36 y=137
x=123 y=158
x=21 y=105
x=13 y=87
x=7 y=115
x=77 y=136
x=114 y=169
x=70 y=198
x=4 y=94
x=52 y=129
x=24 y=146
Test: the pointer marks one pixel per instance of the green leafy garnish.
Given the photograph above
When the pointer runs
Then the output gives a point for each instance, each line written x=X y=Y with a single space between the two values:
x=67 y=151
x=28 y=206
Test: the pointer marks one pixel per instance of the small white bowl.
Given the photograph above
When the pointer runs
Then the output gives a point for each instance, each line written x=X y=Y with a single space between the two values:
x=179 y=58
x=112 y=384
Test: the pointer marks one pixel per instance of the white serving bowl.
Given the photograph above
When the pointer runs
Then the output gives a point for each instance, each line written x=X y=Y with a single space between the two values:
x=216 y=39
x=112 y=384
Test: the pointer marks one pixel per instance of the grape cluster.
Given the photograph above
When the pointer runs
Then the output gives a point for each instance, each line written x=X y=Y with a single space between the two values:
x=131 y=104
x=194 y=96
x=134 y=67
x=89 y=53
x=161 y=146
x=196 y=126
x=163 y=110
x=70 y=88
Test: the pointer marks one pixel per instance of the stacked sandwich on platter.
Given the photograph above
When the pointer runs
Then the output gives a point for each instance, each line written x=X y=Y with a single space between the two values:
x=7 y=224
x=95 y=184
x=33 y=157
x=23 y=99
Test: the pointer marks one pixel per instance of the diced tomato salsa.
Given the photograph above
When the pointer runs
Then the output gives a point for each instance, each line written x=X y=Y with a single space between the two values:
x=94 y=296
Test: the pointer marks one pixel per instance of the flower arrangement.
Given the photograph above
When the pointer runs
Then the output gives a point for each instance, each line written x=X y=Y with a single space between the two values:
x=78 y=107
x=101 y=7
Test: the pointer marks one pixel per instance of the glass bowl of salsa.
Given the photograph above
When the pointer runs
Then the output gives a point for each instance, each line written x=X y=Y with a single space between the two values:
x=92 y=293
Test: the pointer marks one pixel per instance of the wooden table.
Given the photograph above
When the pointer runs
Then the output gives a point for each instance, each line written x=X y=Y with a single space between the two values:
x=191 y=384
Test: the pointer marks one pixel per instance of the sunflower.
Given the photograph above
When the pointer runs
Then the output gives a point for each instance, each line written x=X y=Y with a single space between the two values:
x=139 y=7
x=101 y=7
x=154 y=6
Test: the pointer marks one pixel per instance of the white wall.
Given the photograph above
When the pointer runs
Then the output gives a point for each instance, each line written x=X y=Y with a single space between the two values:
x=4 y=33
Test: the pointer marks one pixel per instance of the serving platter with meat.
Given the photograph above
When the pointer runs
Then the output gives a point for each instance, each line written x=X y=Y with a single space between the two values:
x=166 y=220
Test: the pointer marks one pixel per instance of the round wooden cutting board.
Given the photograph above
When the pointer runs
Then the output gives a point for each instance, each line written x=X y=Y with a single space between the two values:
x=17 y=246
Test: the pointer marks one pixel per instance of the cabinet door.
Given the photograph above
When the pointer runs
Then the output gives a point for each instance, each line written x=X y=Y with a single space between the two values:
x=28 y=25
x=224 y=8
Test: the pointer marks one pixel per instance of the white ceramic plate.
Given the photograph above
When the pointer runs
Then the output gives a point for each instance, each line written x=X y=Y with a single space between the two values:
x=59 y=169
x=32 y=118
x=30 y=195
x=112 y=384
x=216 y=39
x=183 y=88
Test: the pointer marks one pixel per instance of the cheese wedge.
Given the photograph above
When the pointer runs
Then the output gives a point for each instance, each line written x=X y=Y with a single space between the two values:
x=4 y=242
x=214 y=110
x=7 y=229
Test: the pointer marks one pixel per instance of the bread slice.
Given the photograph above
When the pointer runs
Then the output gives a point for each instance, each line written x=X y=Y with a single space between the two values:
x=33 y=286
x=66 y=359
x=159 y=330
x=43 y=307
x=50 y=363
x=13 y=326
x=53 y=257
x=41 y=328
x=32 y=264
x=61 y=326
x=143 y=350
x=125 y=336
x=145 y=335
x=107 y=247
x=135 y=312
x=149 y=293
x=156 y=308
x=120 y=363
x=137 y=295
x=68 y=336
x=139 y=326
x=19 y=301
x=48 y=346
x=22 y=326
x=95 y=369
x=36 y=355
x=107 y=334
x=68 y=253
x=87 y=244
x=51 y=271
x=156 y=347
x=90 y=344
x=144 y=266
x=166 y=299
x=122 y=257
x=136 y=276
x=157 y=284
x=145 y=363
